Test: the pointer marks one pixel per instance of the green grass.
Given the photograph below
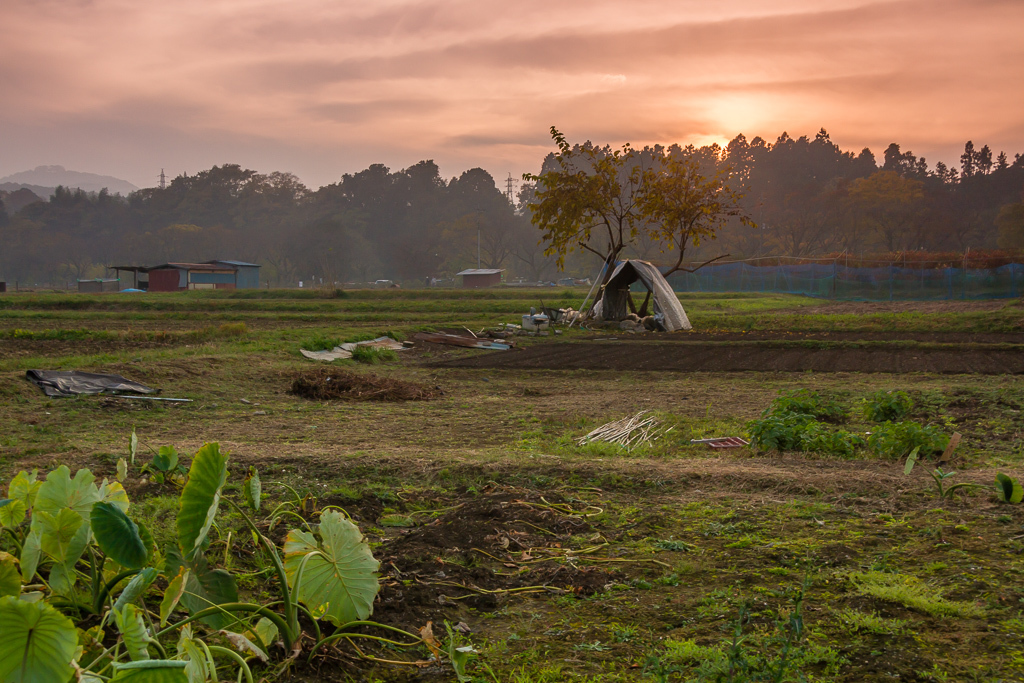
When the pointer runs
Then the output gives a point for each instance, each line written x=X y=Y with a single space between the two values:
x=690 y=534
x=911 y=592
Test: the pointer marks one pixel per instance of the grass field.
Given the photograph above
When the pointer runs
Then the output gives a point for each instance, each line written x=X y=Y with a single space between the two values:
x=669 y=562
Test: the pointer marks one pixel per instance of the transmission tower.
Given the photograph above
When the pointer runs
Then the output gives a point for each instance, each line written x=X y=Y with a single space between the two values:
x=163 y=180
x=509 y=184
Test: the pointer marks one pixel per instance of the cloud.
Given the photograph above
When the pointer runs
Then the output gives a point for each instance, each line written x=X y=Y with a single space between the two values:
x=323 y=87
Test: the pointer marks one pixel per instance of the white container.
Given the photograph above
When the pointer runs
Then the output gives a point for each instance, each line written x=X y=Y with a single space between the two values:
x=533 y=323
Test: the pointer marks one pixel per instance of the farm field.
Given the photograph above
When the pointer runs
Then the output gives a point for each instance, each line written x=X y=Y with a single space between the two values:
x=560 y=562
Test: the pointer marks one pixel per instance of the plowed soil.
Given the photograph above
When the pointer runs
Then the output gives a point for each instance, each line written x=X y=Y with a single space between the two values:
x=696 y=357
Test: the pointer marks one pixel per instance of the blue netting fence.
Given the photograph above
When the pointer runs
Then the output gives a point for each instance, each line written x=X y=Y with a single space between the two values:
x=837 y=281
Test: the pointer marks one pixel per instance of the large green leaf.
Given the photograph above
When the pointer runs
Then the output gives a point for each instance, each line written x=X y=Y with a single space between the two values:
x=113 y=492
x=21 y=496
x=204 y=587
x=338 y=582
x=63 y=537
x=175 y=589
x=12 y=512
x=265 y=631
x=24 y=487
x=166 y=459
x=30 y=555
x=59 y=533
x=10 y=577
x=150 y=671
x=200 y=497
x=38 y=643
x=133 y=632
x=252 y=489
x=198 y=668
x=118 y=536
x=135 y=589
x=1009 y=491
x=61 y=491
x=147 y=541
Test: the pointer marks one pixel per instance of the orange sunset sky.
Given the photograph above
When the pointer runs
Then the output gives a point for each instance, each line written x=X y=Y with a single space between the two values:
x=325 y=87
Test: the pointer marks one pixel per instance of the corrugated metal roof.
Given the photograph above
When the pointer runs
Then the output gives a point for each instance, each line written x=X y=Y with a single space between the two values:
x=236 y=263
x=481 y=271
x=195 y=266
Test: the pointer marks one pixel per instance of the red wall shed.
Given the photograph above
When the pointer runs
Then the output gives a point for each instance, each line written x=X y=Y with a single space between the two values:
x=165 y=280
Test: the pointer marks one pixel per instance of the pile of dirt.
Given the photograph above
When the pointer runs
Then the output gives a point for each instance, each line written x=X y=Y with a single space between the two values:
x=324 y=384
x=483 y=553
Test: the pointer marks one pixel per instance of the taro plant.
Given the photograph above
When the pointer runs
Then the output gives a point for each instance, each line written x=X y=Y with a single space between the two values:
x=78 y=554
x=1008 y=490
x=947 y=491
x=164 y=465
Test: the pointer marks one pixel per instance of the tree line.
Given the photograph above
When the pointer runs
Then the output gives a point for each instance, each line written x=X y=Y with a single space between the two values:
x=794 y=197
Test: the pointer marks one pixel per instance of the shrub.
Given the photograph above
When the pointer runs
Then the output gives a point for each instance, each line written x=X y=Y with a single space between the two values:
x=887 y=406
x=782 y=432
x=806 y=402
x=819 y=439
x=893 y=440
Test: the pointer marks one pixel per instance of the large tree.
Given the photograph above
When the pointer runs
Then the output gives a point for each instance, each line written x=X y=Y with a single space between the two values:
x=589 y=200
x=602 y=201
x=683 y=206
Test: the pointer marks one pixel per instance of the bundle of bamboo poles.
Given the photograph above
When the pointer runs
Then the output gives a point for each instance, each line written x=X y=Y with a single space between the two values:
x=630 y=432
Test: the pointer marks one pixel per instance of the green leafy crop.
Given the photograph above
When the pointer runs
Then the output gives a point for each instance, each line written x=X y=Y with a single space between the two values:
x=887 y=406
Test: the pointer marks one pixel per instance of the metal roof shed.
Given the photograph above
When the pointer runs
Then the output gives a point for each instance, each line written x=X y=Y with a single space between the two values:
x=481 y=277
x=248 y=274
x=98 y=285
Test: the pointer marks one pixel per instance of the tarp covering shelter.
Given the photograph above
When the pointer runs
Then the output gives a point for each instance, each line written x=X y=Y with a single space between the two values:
x=667 y=309
x=74 y=382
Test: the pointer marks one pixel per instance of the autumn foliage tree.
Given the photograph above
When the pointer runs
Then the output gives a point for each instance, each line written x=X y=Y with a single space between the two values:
x=683 y=206
x=602 y=200
x=591 y=201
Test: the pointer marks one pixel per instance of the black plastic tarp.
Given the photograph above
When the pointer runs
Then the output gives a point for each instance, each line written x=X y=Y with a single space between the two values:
x=74 y=382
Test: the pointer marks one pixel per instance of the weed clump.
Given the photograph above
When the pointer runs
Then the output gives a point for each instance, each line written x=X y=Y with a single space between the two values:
x=791 y=424
x=893 y=440
x=320 y=342
x=812 y=404
x=325 y=384
x=887 y=406
x=913 y=593
x=373 y=356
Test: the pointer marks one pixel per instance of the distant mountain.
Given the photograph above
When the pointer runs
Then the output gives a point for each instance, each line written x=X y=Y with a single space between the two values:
x=48 y=177
x=44 y=193
x=15 y=199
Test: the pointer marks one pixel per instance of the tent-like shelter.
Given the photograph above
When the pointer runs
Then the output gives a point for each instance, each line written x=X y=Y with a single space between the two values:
x=614 y=300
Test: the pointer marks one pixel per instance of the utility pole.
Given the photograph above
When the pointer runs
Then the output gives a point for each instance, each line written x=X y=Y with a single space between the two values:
x=478 y=248
x=163 y=180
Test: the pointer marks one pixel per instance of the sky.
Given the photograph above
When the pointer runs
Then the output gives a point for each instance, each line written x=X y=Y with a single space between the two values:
x=320 y=88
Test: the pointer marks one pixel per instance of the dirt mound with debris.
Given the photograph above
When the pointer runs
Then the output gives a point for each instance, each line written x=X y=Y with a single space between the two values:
x=481 y=554
x=696 y=357
x=332 y=384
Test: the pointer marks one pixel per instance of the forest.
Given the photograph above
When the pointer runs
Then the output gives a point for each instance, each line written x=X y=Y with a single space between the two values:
x=799 y=197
